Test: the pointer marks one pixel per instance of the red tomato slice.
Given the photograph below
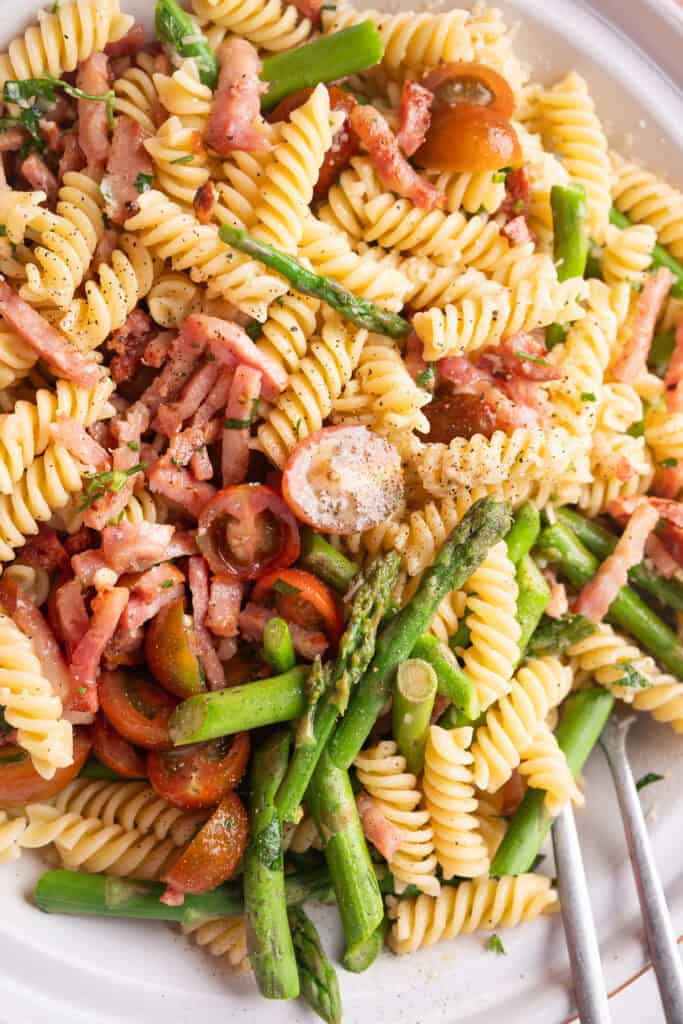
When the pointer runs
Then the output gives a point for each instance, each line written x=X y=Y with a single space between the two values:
x=138 y=709
x=343 y=480
x=199 y=775
x=215 y=852
x=301 y=597
x=471 y=84
x=115 y=752
x=469 y=139
x=21 y=784
x=246 y=531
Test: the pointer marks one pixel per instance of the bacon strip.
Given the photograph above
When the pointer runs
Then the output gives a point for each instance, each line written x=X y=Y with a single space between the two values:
x=244 y=394
x=107 y=609
x=660 y=556
x=40 y=177
x=231 y=345
x=93 y=127
x=558 y=605
x=129 y=343
x=76 y=439
x=44 y=550
x=236 y=102
x=131 y=547
x=46 y=341
x=71 y=615
x=633 y=359
x=414 y=116
x=389 y=162
x=621 y=508
x=673 y=378
x=225 y=599
x=198 y=578
x=382 y=833
x=111 y=504
x=72 y=159
x=598 y=594
x=128 y=159
x=179 y=486
x=199 y=385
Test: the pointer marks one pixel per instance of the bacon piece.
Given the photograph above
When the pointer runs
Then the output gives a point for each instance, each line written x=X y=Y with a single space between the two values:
x=378 y=830
x=128 y=159
x=215 y=400
x=12 y=139
x=673 y=378
x=308 y=8
x=179 y=486
x=46 y=341
x=622 y=508
x=204 y=202
x=111 y=504
x=157 y=349
x=413 y=357
x=230 y=344
x=389 y=162
x=184 y=352
x=75 y=438
x=129 y=343
x=27 y=616
x=520 y=355
x=198 y=578
x=107 y=608
x=598 y=594
x=40 y=177
x=225 y=599
x=51 y=135
x=154 y=590
x=199 y=385
x=86 y=564
x=80 y=541
x=308 y=643
x=93 y=127
x=513 y=793
x=132 y=547
x=660 y=556
x=71 y=614
x=172 y=897
x=128 y=45
x=414 y=116
x=558 y=605
x=633 y=359
x=72 y=159
x=236 y=102
x=44 y=550
x=106 y=245
x=517 y=199
x=440 y=705
x=668 y=481
x=517 y=231
x=244 y=394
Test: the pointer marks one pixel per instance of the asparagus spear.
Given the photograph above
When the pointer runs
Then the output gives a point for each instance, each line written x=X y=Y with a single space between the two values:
x=249 y=706
x=414 y=696
x=316 y=686
x=627 y=610
x=319 y=557
x=355 y=651
x=661 y=350
x=484 y=524
x=271 y=951
x=317 y=976
x=364 y=955
x=661 y=257
x=523 y=532
x=175 y=27
x=359 y=311
x=452 y=682
x=553 y=636
x=583 y=718
x=602 y=542
x=532 y=598
x=278 y=649
x=570 y=229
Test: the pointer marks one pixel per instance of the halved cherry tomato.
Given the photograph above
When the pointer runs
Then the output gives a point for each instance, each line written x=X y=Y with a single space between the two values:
x=247 y=530
x=138 y=709
x=302 y=598
x=466 y=82
x=343 y=480
x=201 y=774
x=215 y=852
x=117 y=753
x=21 y=784
x=344 y=144
x=171 y=651
x=469 y=139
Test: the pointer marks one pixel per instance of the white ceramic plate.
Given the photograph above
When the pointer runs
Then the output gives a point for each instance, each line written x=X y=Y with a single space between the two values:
x=73 y=971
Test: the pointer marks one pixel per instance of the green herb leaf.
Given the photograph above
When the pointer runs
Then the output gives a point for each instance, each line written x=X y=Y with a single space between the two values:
x=647 y=780
x=282 y=587
x=143 y=182
x=109 y=482
x=668 y=463
x=187 y=159
x=254 y=329
x=3 y=231
x=533 y=359
x=55 y=7
x=133 y=445
x=5 y=727
x=632 y=677
x=166 y=584
x=426 y=378
x=636 y=429
x=588 y=396
x=494 y=945
x=554 y=335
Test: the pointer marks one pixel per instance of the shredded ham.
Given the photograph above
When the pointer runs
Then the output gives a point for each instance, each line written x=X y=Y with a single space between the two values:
x=673 y=378
x=93 y=127
x=131 y=547
x=414 y=116
x=171 y=416
x=236 y=103
x=107 y=609
x=660 y=556
x=44 y=550
x=621 y=508
x=633 y=359
x=128 y=45
x=389 y=162
x=668 y=481
x=198 y=578
x=517 y=231
x=111 y=504
x=517 y=201
x=72 y=159
x=40 y=177
x=558 y=605
x=225 y=599
x=308 y=643
x=230 y=344
x=71 y=615
x=128 y=159
x=215 y=401
x=157 y=349
x=129 y=343
x=377 y=829
x=598 y=594
x=75 y=438
x=180 y=487
x=244 y=394
x=27 y=616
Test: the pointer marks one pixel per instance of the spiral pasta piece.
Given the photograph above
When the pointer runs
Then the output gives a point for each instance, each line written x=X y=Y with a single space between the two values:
x=646 y=199
x=513 y=723
x=180 y=160
x=32 y=580
x=135 y=96
x=172 y=298
x=483 y=904
x=184 y=95
x=17 y=357
x=11 y=831
x=29 y=704
x=381 y=770
x=664 y=434
x=307 y=402
x=628 y=254
x=490 y=822
x=244 y=178
x=544 y=766
x=479 y=192
x=346 y=199
x=269 y=24
x=173 y=234
x=305 y=836
x=291 y=323
x=224 y=937
x=448 y=615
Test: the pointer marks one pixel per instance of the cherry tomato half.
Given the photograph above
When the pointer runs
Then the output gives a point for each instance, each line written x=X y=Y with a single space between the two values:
x=215 y=852
x=138 y=709
x=171 y=651
x=21 y=784
x=247 y=530
x=115 y=752
x=469 y=139
x=199 y=775
x=343 y=480
x=302 y=598
x=471 y=84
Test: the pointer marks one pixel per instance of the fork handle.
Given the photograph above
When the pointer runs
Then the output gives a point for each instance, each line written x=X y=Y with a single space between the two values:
x=659 y=932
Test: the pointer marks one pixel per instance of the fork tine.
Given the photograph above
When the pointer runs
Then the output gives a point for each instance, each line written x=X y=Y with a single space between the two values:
x=661 y=938
x=577 y=918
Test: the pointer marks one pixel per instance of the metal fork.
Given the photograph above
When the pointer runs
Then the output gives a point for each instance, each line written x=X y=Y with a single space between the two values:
x=584 y=954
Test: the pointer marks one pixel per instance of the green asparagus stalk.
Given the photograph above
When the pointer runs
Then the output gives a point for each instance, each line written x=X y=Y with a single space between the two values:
x=316 y=686
x=355 y=651
x=484 y=524
x=94 y=769
x=359 y=311
x=452 y=682
x=553 y=636
x=317 y=976
x=333 y=806
x=319 y=557
x=532 y=597
x=364 y=955
x=175 y=27
x=627 y=610
x=414 y=696
x=661 y=350
x=570 y=229
x=324 y=60
x=661 y=257
x=249 y=706
x=583 y=718
x=278 y=649
x=602 y=542
x=523 y=532
x=271 y=951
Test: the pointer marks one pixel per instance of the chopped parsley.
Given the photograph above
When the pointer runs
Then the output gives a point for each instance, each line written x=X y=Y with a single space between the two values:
x=5 y=727
x=519 y=206
x=166 y=584
x=499 y=177
x=632 y=677
x=109 y=482
x=115 y=520
x=426 y=378
x=232 y=424
x=21 y=91
x=133 y=445
x=187 y=159
x=494 y=945
x=554 y=335
x=297 y=428
x=143 y=182
x=588 y=396
x=668 y=463
x=636 y=429
x=55 y=7
x=282 y=587
x=254 y=329
x=647 y=780
x=3 y=231
x=533 y=359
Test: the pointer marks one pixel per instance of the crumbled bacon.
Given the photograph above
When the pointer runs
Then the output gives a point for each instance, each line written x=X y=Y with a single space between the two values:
x=179 y=486
x=40 y=177
x=107 y=609
x=128 y=343
x=75 y=438
x=633 y=358
x=660 y=556
x=93 y=126
x=225 y=599
x=236 y=102
x=668 y=481
x=231 y=345
x=12 y=139
x=558 y=605
x=244 y=394
x=621 y=508
x=198 y=578
x=204 y=202
x=414 y=116
x=128 y=160
x=51 y=135
x=157 y=349
x=378 y=830
x=132 y=547
x=44 y=550
x=80 y=541
x=171 y=415
x=72 y=159
x=517 y=199
x=111 y=504
x=517 y=231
